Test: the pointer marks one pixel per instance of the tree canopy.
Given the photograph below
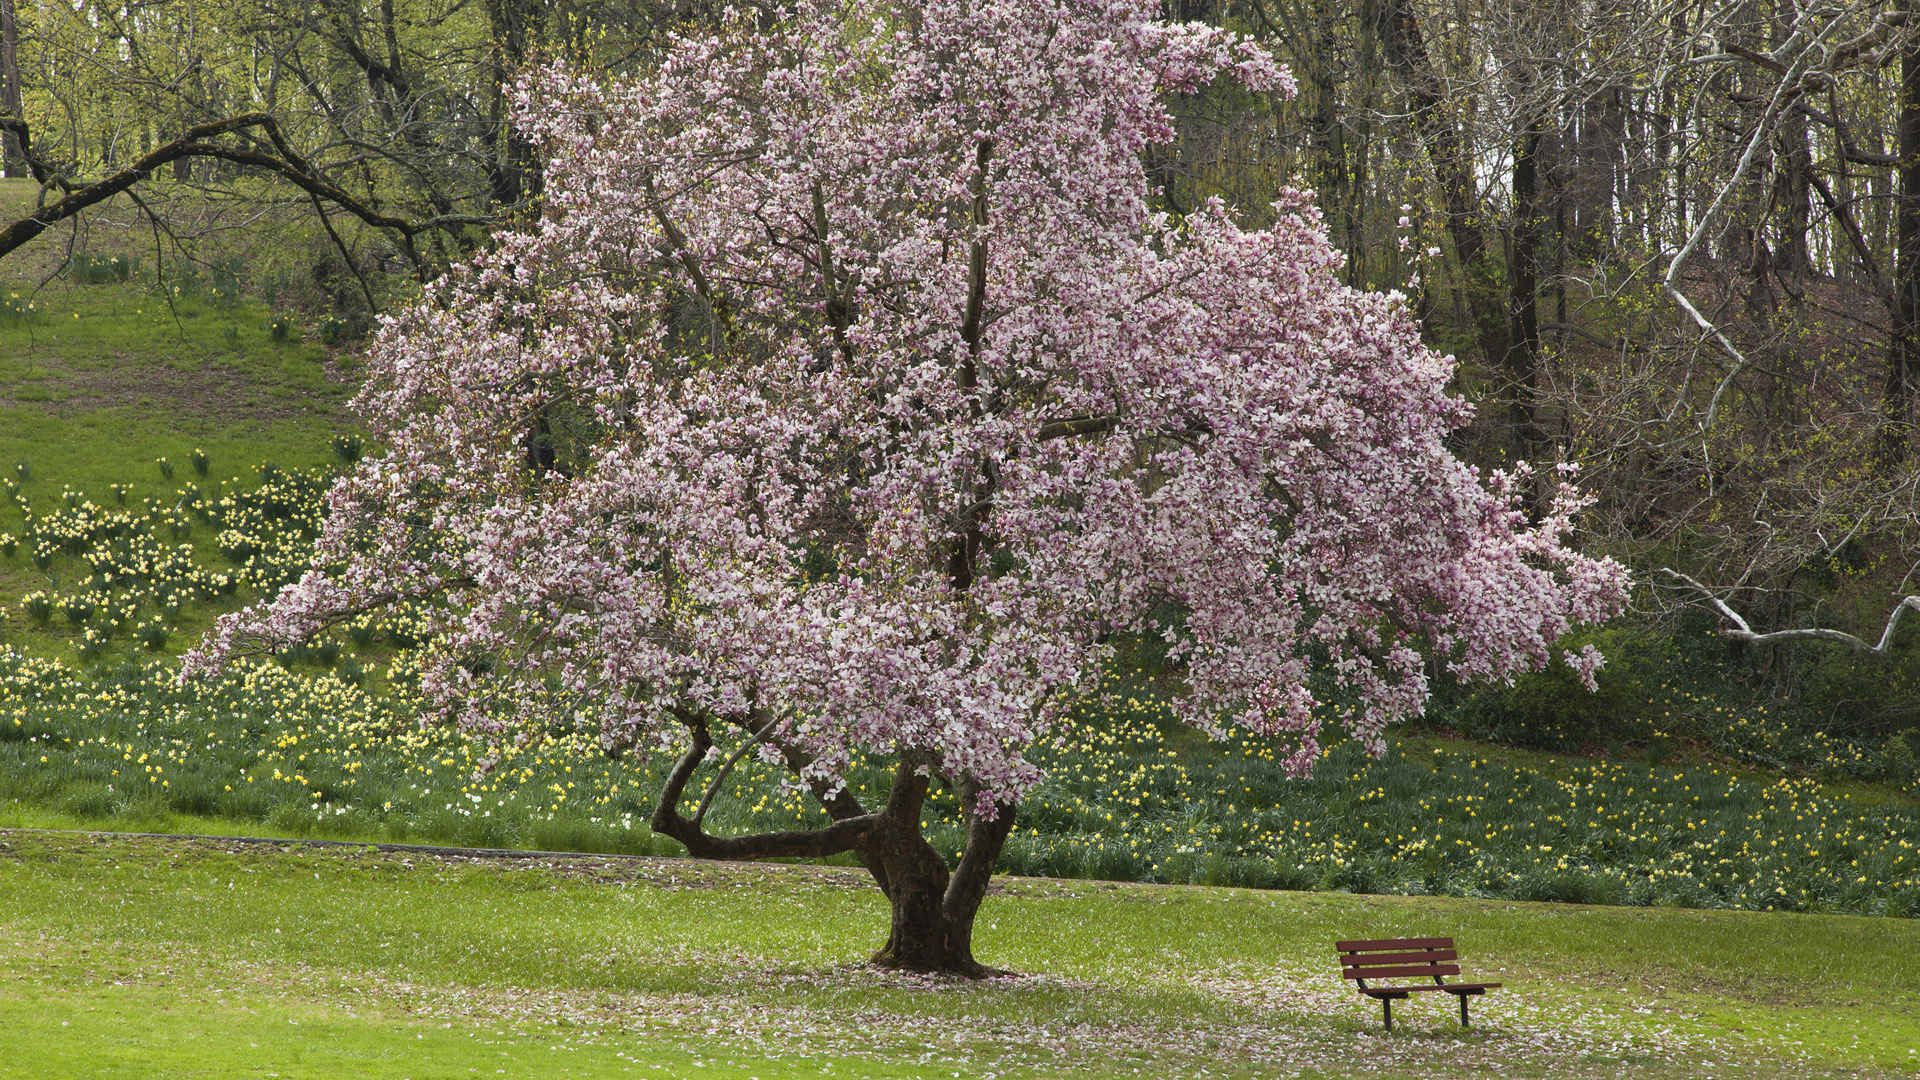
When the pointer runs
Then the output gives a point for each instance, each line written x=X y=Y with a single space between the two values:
x=848 y=399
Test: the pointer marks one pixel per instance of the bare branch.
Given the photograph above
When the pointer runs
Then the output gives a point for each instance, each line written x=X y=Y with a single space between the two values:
x=1741 y=631
x=285 y=163
x=702 y=287
x=1078 y=425
x=976 y=264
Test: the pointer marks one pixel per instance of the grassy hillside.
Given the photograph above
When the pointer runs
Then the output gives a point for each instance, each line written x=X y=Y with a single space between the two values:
x=146 y=958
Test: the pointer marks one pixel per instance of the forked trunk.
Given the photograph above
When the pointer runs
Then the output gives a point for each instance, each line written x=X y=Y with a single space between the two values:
x=933 y=909
x=923 y=934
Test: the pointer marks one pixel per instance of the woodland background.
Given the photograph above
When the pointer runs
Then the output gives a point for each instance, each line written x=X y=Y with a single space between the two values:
x=1676 y=244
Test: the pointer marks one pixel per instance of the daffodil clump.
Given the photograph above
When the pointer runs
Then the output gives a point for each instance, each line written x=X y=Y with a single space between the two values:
x=18 y=309
x=299 y=752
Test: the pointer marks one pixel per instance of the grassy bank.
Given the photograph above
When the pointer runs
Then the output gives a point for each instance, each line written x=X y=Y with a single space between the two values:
x=173 y=959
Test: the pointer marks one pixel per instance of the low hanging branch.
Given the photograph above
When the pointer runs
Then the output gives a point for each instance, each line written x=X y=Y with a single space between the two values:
x=283 y=161
x=848 y=834
x=1741 y=631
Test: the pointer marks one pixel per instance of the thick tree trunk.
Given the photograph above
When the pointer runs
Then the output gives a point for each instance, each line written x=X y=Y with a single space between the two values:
x=1449 y=155
x=933 y=909
x=12 y=161
x=1524 y=354
x=1793 y=202
x=1602 y=130
x=919 y=935
x=1903 y=349
x=514 y=172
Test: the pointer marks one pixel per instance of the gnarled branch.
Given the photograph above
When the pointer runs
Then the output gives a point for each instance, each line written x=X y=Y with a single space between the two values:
x=985 y=839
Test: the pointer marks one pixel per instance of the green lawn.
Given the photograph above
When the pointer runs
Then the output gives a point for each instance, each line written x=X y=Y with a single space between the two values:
x=149 y=958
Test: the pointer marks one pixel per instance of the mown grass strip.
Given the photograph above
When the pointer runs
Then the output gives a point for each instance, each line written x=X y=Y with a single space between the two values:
x=160 y=947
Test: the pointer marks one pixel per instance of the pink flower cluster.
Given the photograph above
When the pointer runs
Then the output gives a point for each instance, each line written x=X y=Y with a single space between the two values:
x=882 y=400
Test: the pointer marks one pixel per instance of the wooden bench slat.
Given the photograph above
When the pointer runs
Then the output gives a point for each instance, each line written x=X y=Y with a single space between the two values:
x=1377 y=944
x=1450 y=988
x=1415 y=972
x=1431 y=956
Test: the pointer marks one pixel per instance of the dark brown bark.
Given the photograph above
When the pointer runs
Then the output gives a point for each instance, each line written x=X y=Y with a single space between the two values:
x=933 y=908
x=986 y=838
x=1600 y=133
x=1793 y=202
x=513 y=174
x=1524 y=353
x=183 y=165
x=668 y=821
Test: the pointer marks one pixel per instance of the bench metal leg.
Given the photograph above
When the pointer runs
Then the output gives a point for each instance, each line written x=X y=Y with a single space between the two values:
x=1463 y=1009
x=1386 y=1011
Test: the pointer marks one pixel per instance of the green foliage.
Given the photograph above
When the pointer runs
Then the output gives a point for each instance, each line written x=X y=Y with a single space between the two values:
x=223 y=280
x=344 y=329
x=347 y=448
x=1900 y=764
x=1856 y=694
x=1679 y=694
x=1552 y=710
x=153 y=634
x=218 y=280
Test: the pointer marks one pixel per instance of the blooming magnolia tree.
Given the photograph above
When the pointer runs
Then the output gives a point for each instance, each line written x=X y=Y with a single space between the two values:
x=848 y=398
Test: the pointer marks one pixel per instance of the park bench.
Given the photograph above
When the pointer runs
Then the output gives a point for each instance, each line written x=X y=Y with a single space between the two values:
x=1401 y=959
